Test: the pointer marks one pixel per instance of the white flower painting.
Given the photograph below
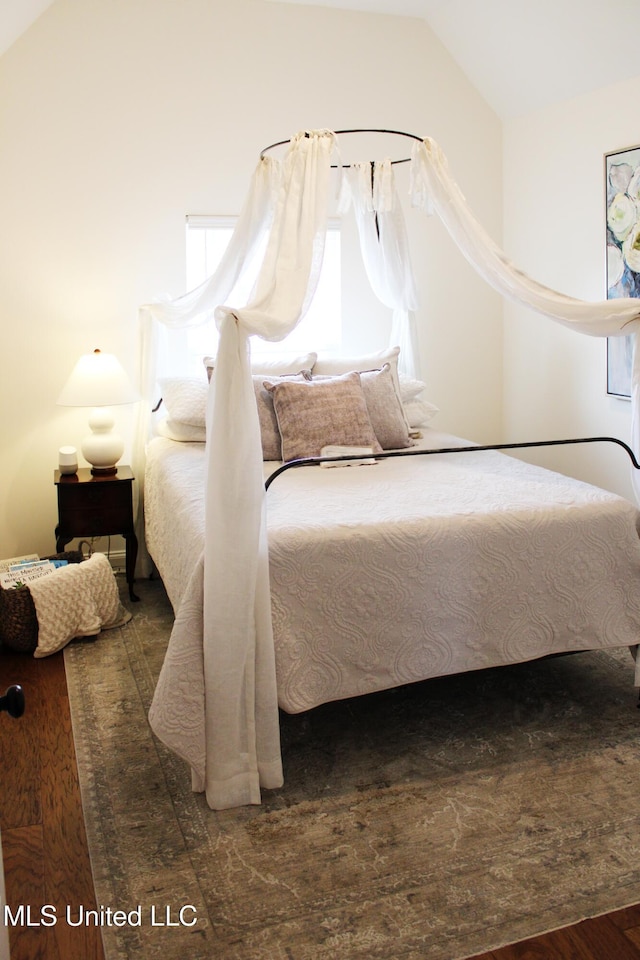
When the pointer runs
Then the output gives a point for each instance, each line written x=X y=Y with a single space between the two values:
x=622 y=173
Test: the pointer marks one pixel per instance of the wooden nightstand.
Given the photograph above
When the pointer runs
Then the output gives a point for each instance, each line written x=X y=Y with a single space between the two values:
x=96 y=506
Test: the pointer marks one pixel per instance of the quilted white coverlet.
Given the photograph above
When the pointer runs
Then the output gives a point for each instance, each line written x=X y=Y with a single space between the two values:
x=417 y=567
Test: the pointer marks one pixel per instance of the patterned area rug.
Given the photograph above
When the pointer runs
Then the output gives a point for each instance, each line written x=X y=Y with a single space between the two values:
x=439 y=820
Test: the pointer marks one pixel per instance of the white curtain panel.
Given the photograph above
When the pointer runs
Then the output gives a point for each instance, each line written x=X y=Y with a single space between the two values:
x=197 y=306
x=435 y=189
x=221 y=648
x=385 y=253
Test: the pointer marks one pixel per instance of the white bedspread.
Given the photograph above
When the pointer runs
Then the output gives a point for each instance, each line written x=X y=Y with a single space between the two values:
x=416 y=567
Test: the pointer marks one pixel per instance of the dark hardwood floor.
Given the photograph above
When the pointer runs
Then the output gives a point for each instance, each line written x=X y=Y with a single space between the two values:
x=44 y=843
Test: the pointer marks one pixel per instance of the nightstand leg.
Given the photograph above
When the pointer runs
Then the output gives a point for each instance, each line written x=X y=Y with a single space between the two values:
x=61 y=542
x=130 y=563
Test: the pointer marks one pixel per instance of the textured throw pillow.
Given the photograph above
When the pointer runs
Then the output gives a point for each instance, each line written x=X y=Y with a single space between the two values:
x=269 y=432
x=78 y=600
x=385 y=409
x=318 y=413
x=185 y=399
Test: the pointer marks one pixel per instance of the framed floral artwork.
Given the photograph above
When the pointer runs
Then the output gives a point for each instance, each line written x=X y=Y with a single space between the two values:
x=622 y=185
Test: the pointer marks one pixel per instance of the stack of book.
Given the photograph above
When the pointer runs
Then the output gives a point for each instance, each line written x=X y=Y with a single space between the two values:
x=21 y=571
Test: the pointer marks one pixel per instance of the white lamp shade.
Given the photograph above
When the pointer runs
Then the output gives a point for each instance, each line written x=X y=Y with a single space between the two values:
x=97 y=380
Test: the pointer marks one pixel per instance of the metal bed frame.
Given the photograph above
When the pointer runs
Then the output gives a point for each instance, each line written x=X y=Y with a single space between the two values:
x=475 y=448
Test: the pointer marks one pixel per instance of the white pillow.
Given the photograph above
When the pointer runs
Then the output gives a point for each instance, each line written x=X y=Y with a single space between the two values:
x=334 y=366
x=182 y=432
x=419 y=412
x=272 y=368
x=280 y=368
x=410 y=388
x=185 y=399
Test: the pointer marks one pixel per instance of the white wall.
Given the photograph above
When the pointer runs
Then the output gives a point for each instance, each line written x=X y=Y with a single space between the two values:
x=555 y=379
x=119 y=117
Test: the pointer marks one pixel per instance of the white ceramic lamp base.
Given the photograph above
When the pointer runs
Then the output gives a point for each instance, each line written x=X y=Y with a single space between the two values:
x=102 y=448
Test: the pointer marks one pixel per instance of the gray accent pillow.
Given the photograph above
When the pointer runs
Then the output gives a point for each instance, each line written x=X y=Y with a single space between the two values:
x=386 y=411
x=318 y=413
x=269 y=432
x=385 y=408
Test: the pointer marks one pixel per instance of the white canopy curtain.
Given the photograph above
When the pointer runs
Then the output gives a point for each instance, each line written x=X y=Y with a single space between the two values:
x=385 y=252
x=216 y=701
x=434 y=188
x=220 y=654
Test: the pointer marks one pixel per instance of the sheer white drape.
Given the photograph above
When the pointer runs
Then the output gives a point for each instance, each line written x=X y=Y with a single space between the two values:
x=385 y=252
x=434 y=188
x=198 y=305
x=221 y=650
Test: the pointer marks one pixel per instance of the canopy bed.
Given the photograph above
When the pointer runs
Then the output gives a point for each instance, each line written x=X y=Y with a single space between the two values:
x=250 y=587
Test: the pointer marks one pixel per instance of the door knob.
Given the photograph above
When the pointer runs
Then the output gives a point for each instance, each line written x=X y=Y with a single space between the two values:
x=13 y=700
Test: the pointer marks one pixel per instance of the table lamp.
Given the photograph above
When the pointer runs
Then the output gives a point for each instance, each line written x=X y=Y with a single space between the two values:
x=98 y=380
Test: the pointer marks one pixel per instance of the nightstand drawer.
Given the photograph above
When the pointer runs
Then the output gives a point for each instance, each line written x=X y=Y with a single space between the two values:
x=95 y=509
x=95 y=521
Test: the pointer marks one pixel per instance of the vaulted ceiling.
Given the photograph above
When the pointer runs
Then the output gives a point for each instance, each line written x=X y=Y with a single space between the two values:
x=525 y=54
x=16 y=16
x=520 y=54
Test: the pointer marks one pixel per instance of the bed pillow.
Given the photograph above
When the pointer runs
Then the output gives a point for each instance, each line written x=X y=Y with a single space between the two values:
x=182 y=432
x=269 y=431
x=385 y=409
x=280 y=368
x=272 y=368
x=185 y=399
x=334 y=366
x=410 y=388
x=418 y=412
x=318 y=413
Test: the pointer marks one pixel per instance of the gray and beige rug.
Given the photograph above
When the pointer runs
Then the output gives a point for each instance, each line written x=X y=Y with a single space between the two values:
x=436 y=821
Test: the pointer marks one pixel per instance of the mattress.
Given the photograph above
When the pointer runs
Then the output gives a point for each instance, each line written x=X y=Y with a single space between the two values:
x=418 y=566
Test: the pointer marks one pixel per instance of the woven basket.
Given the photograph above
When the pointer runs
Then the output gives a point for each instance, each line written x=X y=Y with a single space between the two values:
x=18 y=619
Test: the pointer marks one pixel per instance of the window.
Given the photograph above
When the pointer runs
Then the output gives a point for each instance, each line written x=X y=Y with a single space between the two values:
x=319 y=330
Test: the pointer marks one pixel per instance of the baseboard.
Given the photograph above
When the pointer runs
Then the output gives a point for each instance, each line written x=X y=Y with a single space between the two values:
x=117 y=556
x=117 y=559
